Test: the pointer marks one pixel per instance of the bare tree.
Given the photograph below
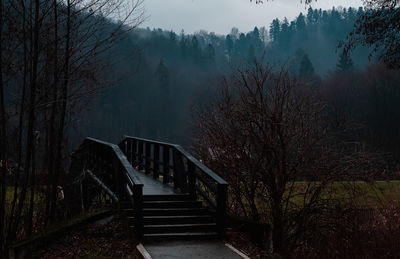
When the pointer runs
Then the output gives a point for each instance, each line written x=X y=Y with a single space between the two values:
x=268 y=135
x=55 y=56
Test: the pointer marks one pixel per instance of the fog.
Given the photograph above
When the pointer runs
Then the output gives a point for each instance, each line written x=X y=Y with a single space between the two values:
x=221 y=15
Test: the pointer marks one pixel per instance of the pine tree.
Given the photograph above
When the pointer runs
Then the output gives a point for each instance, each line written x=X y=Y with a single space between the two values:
x=172 y=37
x=306 y=67
x=251 y=55
x=162 y=75
x=183 y=45
x=210 y=54
x=229 y=44
x=274 y=30
x=345 y=63
x=256 y=33
x=300 y=22
x=310 y=16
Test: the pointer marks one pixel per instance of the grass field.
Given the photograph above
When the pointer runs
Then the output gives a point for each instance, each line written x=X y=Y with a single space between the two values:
x=377 y=194
x=38 y=199
x=359 y=194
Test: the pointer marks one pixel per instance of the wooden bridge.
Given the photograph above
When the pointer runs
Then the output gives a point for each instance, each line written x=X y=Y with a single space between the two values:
x=164 y=190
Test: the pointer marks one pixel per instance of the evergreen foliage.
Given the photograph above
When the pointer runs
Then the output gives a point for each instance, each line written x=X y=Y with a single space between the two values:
x=306 y=67
x=187 y=66
x=345 y=63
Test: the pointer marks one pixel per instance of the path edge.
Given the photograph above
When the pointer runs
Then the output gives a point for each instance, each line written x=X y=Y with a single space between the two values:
x=241 y=254
x=143 y=251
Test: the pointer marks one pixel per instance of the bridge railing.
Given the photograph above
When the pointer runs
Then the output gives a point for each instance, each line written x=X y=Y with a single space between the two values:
x=108 y=166
x=175 y=166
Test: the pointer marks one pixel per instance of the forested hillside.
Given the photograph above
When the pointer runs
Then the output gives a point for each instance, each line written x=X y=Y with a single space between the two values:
x=160 y=75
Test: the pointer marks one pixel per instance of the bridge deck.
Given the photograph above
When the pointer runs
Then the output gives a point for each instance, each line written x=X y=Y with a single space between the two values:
x=152 y=186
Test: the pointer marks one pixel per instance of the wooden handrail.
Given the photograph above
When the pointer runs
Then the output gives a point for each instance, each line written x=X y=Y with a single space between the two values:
x=186 y=154
x=145 y=154
x=131 y=173
x=121 y=178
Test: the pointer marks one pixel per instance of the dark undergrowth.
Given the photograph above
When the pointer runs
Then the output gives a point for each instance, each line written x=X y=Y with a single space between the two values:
x=97 y=240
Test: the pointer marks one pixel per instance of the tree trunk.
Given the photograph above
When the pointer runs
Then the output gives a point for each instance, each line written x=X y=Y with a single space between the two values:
x=3 y=141
x=60 y=129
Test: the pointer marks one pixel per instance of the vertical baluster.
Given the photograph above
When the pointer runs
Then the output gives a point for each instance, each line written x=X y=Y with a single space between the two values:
x=192 y=180
x=124 y=148
x=128 y=152
x=138 y=209
x=147 y=157
x=117 y=179
x=165 y=164
x=156 y=160
x=134 y=153
x=221 y=207
x=179 y=171
x=140 y=154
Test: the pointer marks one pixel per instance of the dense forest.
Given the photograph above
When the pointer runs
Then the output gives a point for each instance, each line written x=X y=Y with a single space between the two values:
x=160 y=77
x=300 y=117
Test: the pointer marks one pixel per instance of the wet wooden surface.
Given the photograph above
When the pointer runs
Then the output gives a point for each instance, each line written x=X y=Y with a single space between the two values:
x=153 y=186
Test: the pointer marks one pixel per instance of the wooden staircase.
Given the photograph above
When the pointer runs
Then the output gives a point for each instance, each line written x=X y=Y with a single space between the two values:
x=157 y=184
x=167 y=216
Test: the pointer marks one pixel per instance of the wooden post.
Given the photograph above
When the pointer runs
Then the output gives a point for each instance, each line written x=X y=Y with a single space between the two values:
x=165 y=164
x=138 y=209
x=134 y=158
x=118 y=185
x=221 y=207
x=179 y=172
x=192 y=180
x=147 y=157
x=124 y=148
x=140 y=154
x=129 y=150
x=156 y=161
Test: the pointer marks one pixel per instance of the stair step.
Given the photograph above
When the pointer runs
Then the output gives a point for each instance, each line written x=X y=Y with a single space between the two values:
x=179 y=228
x=163 y=220
x=184 y=235
x=175 y=212
x=171 y=204
x=168 y=197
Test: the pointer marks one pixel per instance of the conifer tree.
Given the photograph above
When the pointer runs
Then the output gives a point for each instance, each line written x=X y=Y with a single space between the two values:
x=162 y=75
x=345 y=63
x=306 y=67
x=274 y=29
x=210 y=54
x=229 y=44
x=251 y=55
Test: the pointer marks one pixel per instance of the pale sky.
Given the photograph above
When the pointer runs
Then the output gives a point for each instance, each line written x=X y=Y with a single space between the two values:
x=220 y=16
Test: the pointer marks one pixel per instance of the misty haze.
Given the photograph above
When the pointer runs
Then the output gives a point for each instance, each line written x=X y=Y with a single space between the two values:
x=199 y=129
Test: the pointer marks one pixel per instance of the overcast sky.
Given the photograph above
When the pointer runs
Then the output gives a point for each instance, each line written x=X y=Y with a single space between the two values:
x=220 y=16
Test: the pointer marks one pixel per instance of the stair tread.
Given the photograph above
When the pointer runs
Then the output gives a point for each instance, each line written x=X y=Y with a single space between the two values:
x=178 y=201
x=177 y=217
x=165 y=195
x=150 y=209
x=182 y=234
x=181 y=225
x=174 y=217
x=177 y=209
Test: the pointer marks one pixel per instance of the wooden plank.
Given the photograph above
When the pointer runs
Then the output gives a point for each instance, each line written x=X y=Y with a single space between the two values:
x=135 y=158
x=186 y=154
x=192 y=180
x=165 y=164
x=179 y=172
x=140 y=155
x=156 y=165
x=147 y=157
